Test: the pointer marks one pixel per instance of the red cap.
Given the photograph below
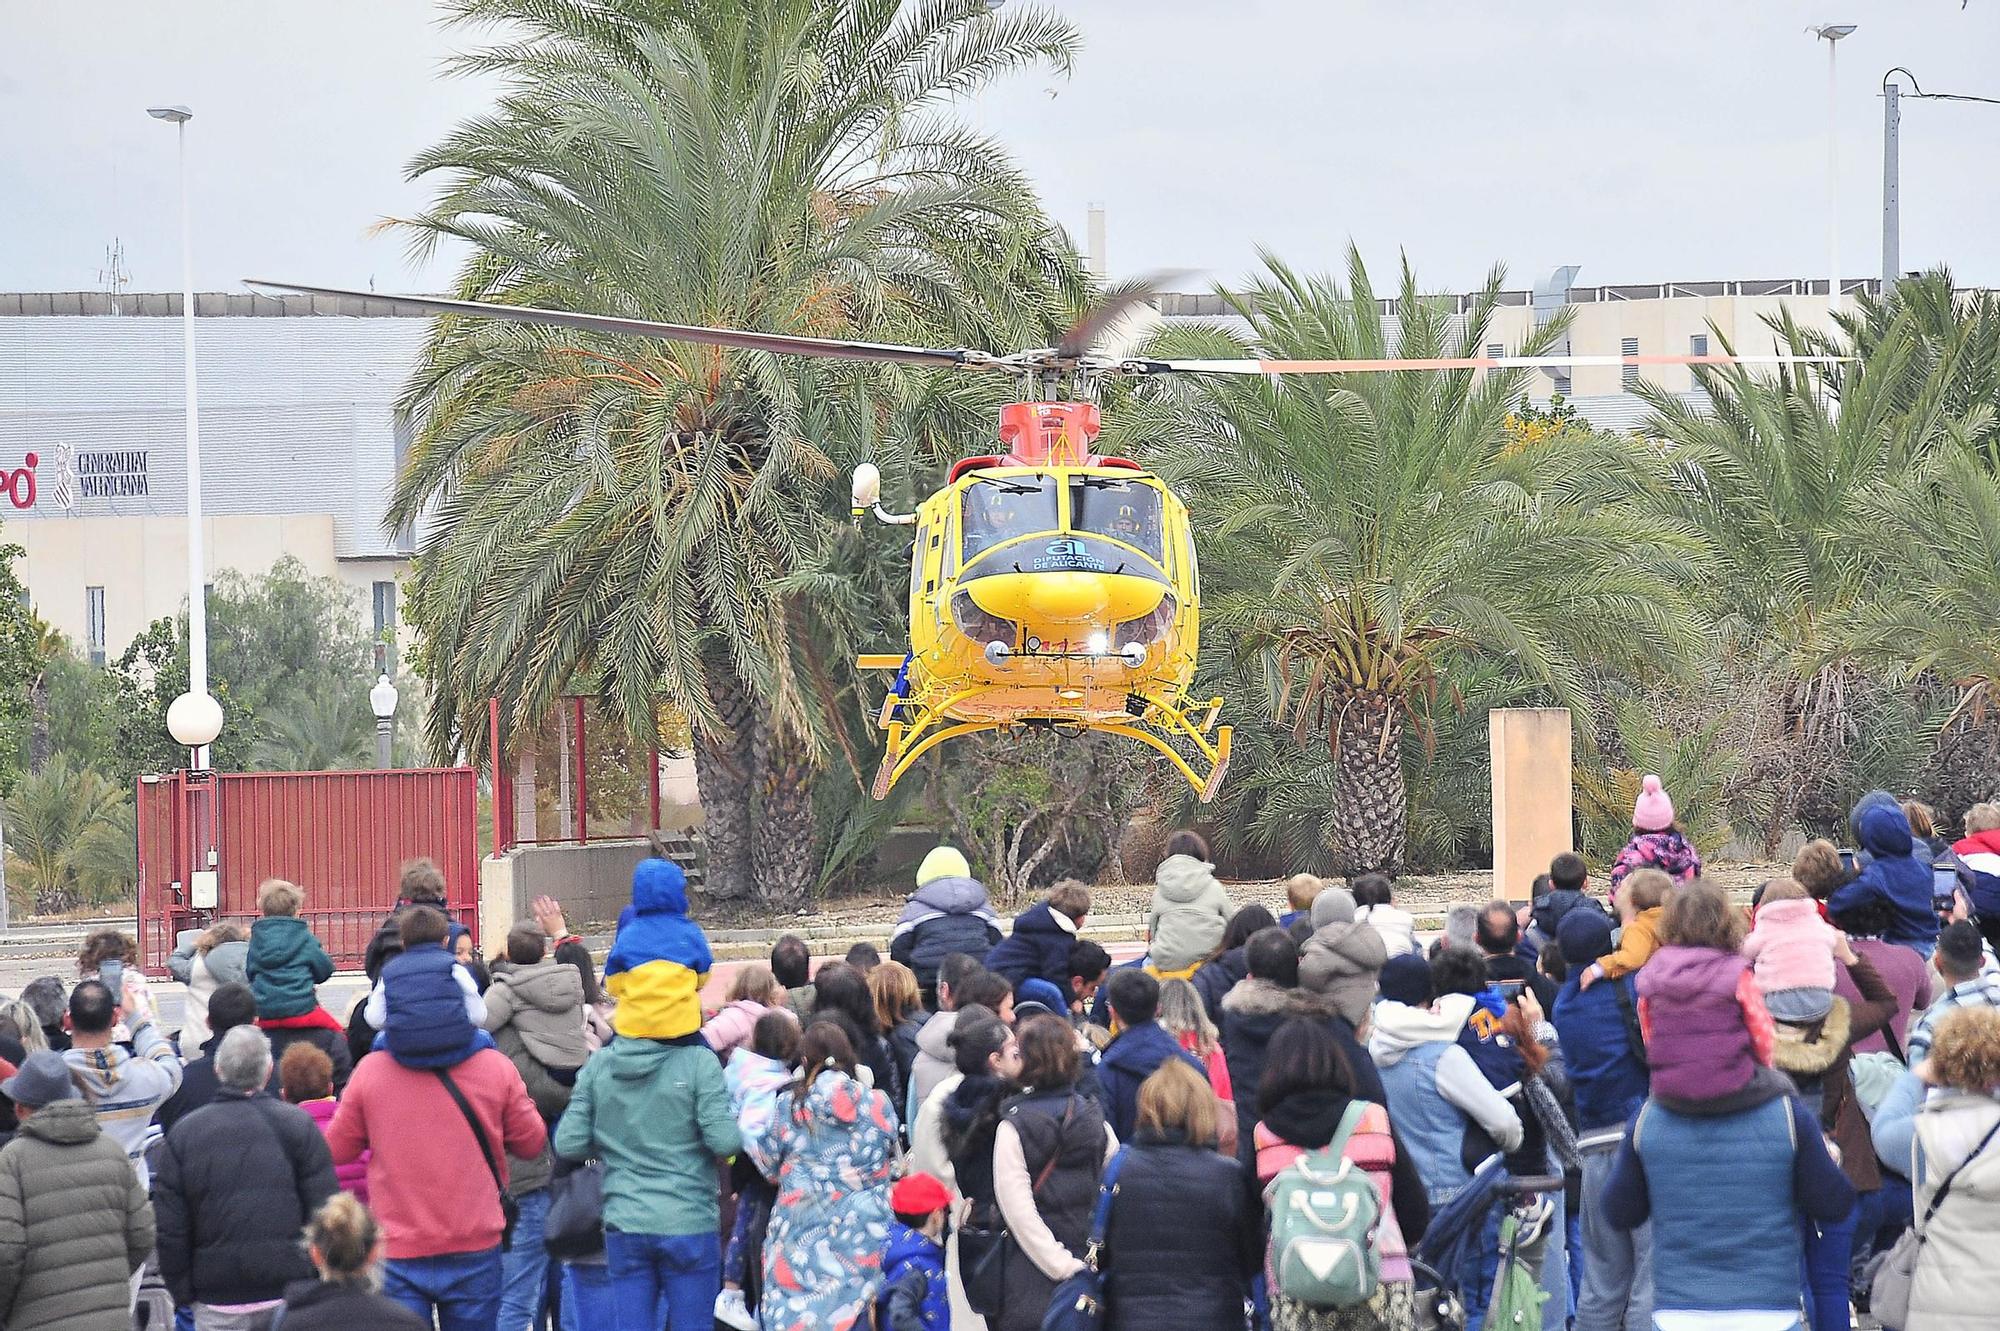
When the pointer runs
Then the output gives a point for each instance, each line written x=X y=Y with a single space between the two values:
x=918 y=1194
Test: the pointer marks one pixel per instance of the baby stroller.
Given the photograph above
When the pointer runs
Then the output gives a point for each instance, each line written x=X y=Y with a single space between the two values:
x=1448 y=1262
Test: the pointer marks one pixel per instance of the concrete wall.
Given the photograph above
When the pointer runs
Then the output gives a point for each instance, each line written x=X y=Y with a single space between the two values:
x=593 y=883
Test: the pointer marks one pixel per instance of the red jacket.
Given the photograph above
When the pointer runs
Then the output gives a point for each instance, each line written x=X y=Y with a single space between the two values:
x=427 y=1182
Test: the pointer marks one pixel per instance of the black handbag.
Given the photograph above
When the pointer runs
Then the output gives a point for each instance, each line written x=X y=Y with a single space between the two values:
x=574 y=1228
x=982 y=1259
x=982 y=1252
x=510 y=1209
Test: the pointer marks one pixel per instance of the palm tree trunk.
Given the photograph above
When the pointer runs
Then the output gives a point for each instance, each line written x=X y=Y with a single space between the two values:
x=725 y=776
x=1370 y=803
x=784 y=862
x=39 y=745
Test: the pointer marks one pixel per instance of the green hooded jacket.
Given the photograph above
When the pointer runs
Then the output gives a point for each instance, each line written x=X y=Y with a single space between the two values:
x=657 y=1114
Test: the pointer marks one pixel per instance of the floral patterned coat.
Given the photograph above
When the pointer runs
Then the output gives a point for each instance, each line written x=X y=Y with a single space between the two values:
x=1668 y=851
x=834 y=1157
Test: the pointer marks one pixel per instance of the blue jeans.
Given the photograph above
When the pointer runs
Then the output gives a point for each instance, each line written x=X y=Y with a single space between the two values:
x=524 y=1265
x=1829 y=1248
x=1881 y=1216
x=1476 y=1287
x=586 y=1300
x=463 y=1288
x=664 y=1280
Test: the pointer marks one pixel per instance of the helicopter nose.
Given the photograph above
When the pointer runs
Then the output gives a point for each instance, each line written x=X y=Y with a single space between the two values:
x=1066 y=596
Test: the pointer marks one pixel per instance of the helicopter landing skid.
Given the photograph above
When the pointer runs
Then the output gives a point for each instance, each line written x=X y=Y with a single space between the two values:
x=1156 y=725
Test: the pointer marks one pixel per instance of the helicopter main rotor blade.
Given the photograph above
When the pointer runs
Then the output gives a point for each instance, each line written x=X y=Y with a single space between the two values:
x=1145 y=367
x=1118 y=299
x=826 y=348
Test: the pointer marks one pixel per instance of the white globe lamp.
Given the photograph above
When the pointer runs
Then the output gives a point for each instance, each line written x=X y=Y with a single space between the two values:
x=382 y=701
x=194 y=720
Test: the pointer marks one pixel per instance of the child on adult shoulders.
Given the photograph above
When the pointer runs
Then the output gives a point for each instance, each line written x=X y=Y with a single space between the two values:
x=1301 y=890
x=425 y=1004
x=1189 y=911
x=1640 y=910
x=1039 y=946
x=284 y=962
x=659 y=960
x=1374 y=900
x=1657 y=840
x=1703 y=1019
x=1791 y=951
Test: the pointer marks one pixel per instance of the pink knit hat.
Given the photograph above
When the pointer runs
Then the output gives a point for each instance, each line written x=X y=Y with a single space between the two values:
x=1653 y=811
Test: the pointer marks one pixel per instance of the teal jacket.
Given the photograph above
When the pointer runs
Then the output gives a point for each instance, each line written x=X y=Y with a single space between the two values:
x=284 y=963
x=657 y=1114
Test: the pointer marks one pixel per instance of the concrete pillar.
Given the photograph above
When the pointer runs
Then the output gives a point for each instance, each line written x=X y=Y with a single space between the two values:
x=1531 y=794
x=496 y=901
x=525 y=828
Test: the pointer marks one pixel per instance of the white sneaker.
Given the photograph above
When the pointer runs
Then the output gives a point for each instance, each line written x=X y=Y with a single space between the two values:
x=730 y=1310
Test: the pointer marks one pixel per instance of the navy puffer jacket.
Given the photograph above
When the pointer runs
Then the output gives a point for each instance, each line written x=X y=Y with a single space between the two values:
x=945 y=915
x=1037 y=949
x=1182 y=1242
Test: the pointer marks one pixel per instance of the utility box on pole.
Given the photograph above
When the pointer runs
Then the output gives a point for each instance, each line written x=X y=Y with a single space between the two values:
x=1531 y=794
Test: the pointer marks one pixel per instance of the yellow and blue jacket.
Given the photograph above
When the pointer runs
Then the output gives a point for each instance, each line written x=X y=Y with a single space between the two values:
x=659 y=960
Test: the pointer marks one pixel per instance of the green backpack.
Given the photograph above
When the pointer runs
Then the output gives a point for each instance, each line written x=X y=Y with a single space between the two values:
x=1324 y=1212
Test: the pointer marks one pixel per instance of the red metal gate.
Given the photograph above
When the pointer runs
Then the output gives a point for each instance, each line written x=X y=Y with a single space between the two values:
x=342 y=836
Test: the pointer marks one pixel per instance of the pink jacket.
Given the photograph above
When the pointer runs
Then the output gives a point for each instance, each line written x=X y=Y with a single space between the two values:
x=731 y=1028
x=353 y=1176
x=1215 y=1063
x=1791 y=947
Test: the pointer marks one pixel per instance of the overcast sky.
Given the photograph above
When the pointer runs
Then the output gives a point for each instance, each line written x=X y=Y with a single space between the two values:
x=1644 y=141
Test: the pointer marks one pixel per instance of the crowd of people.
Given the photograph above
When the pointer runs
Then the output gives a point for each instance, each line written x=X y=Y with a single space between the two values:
x=1645 y=1107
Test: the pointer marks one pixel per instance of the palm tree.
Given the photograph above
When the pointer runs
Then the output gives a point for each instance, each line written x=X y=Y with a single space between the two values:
x=1946 y=346
x=1367 y=529
x=317 y=729
x=624 y=515
x=70 y=839
x=1780 y=482
x=1938 y=528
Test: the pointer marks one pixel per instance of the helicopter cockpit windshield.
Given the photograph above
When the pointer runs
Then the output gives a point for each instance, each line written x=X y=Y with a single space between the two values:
x=1123 y=510
x=1004 y=507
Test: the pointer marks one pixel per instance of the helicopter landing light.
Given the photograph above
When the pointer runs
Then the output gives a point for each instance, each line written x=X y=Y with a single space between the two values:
x=1098 y=643
x=997 y=652
x=1070 y=695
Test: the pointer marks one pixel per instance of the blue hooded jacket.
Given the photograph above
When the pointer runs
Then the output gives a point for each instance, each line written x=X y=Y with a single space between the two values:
x=659 y=960
x=1128 y=1060
x=1894 y=877
x=913 y=1264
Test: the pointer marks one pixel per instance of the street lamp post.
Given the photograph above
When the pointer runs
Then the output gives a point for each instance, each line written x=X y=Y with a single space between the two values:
x=382 y=701
x=178 y=116
x=1831 y=33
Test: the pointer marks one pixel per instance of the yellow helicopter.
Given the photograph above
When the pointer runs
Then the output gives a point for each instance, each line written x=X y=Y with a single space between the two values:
x=1049 y=585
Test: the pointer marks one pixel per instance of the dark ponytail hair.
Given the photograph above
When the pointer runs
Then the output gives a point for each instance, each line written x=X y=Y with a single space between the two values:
x=975 y=1037
x=825 y=1045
